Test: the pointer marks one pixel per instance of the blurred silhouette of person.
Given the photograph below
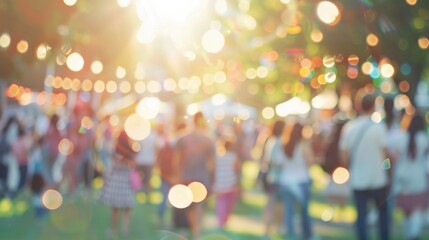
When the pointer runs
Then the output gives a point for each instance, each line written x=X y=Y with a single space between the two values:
x=5 y=151
x=295 y=181
x=242 y=149
x=78 y=164
x=37 y=187
x=226 y=184
x=35 y=158
x=410 y=180
x=272 y=159
x=337 y=194
x=394 y=133
x=117 y=191
x=21 y=150
x=146 y=160
x=195 y=162
x=164 y=161
x=11 y=173
x=105 y=143
x=363 y=149
x=51 y=141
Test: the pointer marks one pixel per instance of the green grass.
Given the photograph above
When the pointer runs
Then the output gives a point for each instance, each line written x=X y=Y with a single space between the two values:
x=81 y=218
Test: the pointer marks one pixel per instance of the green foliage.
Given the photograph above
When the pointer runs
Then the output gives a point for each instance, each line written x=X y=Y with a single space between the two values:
x=101 y=30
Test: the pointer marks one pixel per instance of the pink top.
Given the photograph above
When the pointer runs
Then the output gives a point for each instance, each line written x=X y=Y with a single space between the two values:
x=20 y=149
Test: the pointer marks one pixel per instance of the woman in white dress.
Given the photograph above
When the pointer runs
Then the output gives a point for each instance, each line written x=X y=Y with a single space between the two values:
x=410 y=180
x=295 y=181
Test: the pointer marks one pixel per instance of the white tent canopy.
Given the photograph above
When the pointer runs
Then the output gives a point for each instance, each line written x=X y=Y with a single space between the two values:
x=327 y=99
x=220 y=106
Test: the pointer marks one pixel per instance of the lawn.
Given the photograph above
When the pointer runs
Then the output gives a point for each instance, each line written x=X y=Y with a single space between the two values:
x=82 y=217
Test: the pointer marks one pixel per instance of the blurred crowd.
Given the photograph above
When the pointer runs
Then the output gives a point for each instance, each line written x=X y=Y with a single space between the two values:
x=380 y=162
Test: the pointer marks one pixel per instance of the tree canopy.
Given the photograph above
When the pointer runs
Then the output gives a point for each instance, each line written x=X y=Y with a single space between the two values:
x=272 y=50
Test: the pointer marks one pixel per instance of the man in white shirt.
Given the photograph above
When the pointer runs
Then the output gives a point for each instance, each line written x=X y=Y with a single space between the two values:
x=363 y=149
x=145 y=160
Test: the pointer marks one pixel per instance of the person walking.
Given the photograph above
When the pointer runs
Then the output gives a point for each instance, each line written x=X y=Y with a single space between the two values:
x=272 y=160
x=164 y=162
x=195 y=162
x=410 y=180
x=117 y=191
x=363 y=149
x=226 y=184
x=146 y=160
x=51 y=141
x=104 y=143
x=394 y=133
x=295 y=181
x=10 y=175
x=337 y=194
x=21 y=151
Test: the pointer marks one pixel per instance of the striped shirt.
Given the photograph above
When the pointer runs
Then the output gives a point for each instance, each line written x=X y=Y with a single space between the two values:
x=226 y=175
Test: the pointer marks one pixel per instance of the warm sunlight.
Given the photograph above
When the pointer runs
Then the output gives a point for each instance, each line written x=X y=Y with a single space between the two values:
x=171 y=11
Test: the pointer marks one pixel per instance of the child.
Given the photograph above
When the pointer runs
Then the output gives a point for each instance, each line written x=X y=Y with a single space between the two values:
x=37 y=186
x=226 y=183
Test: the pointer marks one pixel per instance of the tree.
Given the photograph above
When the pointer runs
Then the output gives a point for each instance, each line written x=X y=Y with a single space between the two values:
x=294 y=52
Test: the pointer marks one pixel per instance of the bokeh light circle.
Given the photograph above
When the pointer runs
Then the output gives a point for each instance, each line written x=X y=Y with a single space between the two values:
x=87 y=85
x=139 y=87
x=372 y=40
x=328 y=61
x=65 y=147
x=111 y=86
x=99 y=86
x=136 y=147
x=316 y=36
x=330 y=77
x=180 y=196
x=42 y=51
x=5 y=40
x=340 y=175
x=404 y=86
x=213 y=41
x=125 y=87
x=387 y=70
x=70 y=2
x=153 y=86
x=75 y=62
x=52 y=199
x=199 y=191
x=268 y=113
x=149 y=107
x=96 y=67
x=327 y=215
x=423 y=42
x=22 y=46
x=137 y=127
x=123 y=3
x=328 y=12
x=353 y=60
x=121 y=72
x=367 y=68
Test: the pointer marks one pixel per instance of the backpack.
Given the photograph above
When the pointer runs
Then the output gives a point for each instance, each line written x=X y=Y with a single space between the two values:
x=331 y=160
x=4 y=146
x=264 y=167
